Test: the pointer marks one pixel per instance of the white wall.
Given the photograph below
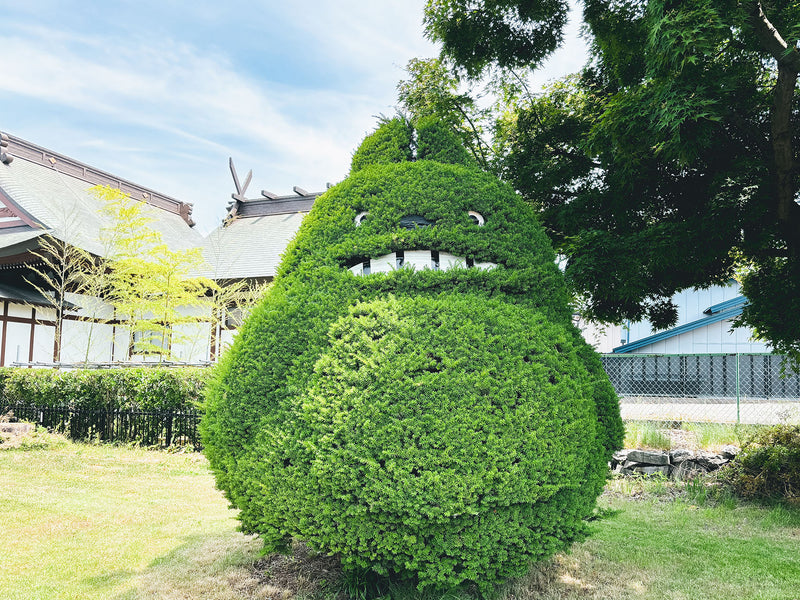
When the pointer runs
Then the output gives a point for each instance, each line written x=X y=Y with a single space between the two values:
x=719 y=337
x=603 y=338
x=89 y=341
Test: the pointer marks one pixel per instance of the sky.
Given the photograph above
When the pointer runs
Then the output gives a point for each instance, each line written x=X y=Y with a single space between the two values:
x=163 y=92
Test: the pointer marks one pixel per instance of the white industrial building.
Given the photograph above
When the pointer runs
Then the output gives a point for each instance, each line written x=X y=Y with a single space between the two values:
x=704 y=326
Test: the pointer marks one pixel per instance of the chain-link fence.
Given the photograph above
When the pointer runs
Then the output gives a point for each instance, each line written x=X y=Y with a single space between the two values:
x=718 y=388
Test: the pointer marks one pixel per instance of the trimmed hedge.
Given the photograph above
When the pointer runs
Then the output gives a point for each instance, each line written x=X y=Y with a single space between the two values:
x=121 y=389
x=445 y=426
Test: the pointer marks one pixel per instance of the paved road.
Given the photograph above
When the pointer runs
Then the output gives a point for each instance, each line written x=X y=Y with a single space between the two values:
x=689 y=409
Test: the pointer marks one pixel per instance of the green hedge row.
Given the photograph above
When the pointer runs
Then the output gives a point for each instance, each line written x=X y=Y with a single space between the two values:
x=124 y=389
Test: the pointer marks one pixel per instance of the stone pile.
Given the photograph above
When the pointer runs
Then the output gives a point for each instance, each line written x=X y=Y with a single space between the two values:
x=16 y=428
x=677 y=464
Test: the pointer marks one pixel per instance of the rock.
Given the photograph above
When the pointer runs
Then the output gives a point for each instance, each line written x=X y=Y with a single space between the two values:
x=16 y=428
x=652 y=470
x=680 y=455
x=649 y=457
x=710 y=461
x=729 y=451
x=687 y=469
x=619 y=457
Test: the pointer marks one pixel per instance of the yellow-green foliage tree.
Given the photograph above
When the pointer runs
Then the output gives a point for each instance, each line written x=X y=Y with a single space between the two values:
x=151 y=286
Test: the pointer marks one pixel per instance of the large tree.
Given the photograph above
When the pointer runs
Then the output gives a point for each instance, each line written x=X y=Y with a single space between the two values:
x=670 y=162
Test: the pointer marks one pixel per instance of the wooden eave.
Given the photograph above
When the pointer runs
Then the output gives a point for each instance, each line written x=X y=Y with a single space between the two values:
x=278 y=206
x=13 y=215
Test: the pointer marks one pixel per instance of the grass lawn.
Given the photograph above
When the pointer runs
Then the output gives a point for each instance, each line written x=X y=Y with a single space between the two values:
x=83 y=522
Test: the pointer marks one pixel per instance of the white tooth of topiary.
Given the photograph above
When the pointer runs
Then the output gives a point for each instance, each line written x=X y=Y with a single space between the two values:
x=417 y=260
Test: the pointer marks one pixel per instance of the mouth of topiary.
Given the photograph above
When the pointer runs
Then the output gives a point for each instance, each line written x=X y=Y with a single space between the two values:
x=418 y=260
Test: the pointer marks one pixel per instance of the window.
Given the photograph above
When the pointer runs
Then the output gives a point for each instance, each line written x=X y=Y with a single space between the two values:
x=150 y=341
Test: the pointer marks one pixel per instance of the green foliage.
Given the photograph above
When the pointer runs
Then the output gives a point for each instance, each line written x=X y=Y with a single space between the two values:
x=431 y=91
x=441 y=426
x=435 y=141
x=509 y=33
x=390 y=143
x=397 y=141
x=135 y=388
x=768 y=467
x=772 y=290
x=670 y=162
x=443 y=431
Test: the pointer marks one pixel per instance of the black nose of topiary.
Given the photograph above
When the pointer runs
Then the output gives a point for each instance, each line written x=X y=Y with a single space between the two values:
x=414 y=221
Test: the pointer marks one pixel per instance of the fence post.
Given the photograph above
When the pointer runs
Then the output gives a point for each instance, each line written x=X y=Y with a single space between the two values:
x=738 y=416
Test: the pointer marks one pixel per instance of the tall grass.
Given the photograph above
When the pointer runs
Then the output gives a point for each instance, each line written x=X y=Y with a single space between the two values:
x=662 y=435
x=646 y=434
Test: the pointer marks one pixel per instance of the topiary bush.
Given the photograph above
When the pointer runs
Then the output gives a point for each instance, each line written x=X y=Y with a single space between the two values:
x=445 y=425
x=768 y=466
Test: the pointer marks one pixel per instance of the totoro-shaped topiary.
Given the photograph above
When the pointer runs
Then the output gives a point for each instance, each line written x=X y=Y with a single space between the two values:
x=411 y=393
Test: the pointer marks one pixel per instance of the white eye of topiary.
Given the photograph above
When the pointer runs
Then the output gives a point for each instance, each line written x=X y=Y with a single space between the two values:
x=477 y=218
x=360 y=218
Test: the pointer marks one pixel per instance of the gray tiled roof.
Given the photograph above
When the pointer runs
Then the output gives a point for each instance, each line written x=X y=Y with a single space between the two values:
x=59 y=201
x=17 y=239
x=47 y=192
x=26 y=295
x=250 y=247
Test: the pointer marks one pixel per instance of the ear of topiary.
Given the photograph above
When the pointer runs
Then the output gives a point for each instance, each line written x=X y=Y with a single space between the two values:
x=390 y=143
x=436 y=141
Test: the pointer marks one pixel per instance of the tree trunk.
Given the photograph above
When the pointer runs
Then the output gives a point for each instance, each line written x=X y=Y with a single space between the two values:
x=786 y=209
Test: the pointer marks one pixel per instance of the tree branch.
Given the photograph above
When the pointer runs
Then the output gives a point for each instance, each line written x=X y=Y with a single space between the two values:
x=771 y=39
x=484 y=161
x=787 y=210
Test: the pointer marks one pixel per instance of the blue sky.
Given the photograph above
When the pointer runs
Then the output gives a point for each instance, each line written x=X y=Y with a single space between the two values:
x=163 y=92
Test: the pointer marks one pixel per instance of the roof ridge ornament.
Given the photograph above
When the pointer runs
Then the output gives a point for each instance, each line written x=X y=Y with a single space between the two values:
x=5 y=157
x=241 y=190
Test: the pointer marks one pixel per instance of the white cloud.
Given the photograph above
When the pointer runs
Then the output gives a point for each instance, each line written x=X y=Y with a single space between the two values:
x=178 y=90
x=148 y=102
x=368 y=36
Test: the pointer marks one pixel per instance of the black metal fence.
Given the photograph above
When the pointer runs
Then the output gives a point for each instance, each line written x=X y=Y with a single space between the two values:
x=147 y=427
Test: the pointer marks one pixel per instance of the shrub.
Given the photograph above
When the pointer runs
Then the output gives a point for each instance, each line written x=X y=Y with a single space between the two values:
x=768 y=466
x=435 y=141
x=135 y=388
x=445 y=426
